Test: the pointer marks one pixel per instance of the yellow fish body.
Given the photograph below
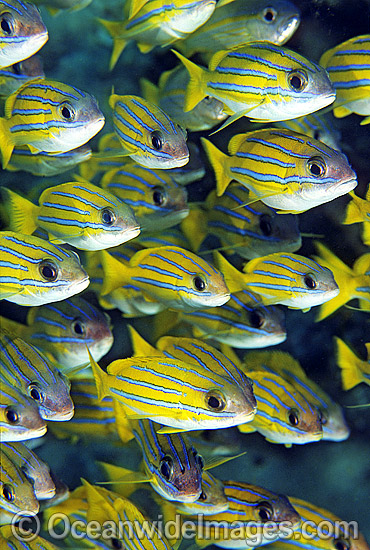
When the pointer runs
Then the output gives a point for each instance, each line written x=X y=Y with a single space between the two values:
x=46 y=164
x=285 y=170
x=48 y=116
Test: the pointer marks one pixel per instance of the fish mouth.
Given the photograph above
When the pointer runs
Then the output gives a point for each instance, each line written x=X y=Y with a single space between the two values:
x=288 y=27
x=57 y=416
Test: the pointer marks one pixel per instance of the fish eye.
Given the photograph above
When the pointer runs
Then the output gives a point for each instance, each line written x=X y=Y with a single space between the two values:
x=198 y=459
x=78 y=327
x=6 y=23
x=35 y=393
x=265 y=225
x=17 y=69
x=297 y=81
x=11 y=415
x=108 y=216
x=8 y=492
x=265 y=511
x=342 y=544
x=309 y=281
x=202 y=497
x=256 y=318
x=199 y=283
x=48 y=270
x=293 y=417
x=323 y=417
x=215 y=401
x=166 y=467
x=67 y=111
x=269 y=15
x=158 y=196
x=156 y=140
x=116 y=543
x=316 y=134
x=316 y=166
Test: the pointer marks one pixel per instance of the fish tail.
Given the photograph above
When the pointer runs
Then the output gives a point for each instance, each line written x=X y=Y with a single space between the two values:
x=234 y=279
x=99 y=376
x=123 y=426
x=22 y=212
x=349 y=365
x=113 y=270
x=195 y=89
x=194 y=227
x=139 y=345
x=149 y=91
x=217 y=159
x=12 y=327
x=353 y=211
x=366 y=233
x=6 y=144
x=115 y=30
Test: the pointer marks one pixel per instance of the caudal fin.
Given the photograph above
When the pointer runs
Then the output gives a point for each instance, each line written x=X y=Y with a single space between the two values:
x=22 y=212
x=348 y=363
x=195 y=89
x=6 y=144
x=218 y=160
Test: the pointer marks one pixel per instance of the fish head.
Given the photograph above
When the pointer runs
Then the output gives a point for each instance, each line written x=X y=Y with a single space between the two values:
x=16 y=491
x=179 y=477
x=314 y=286
x=267 y=324
x=166 y=145
x=22 y=32
x=54 y=400
x=275 y=21
x=334 y=425
x=212 y=499
x=191 y=15
x=20 y=417
x=32 y=67
x=167 y=206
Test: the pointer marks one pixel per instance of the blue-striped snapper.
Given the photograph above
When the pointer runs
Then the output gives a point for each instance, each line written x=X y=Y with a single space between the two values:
x=35 y=272
x=250 y=230
x=282 y=278
x=80 y=214
x=154 y=387
x=348 y=65
x=11 y=539
x=62 y=330
x=11 y=78
x=147 y=134
x=17 y=495
x=243 y=322
x=233 y=24
x=33 y=467
x=244 y=524
x=358 y=210
x=354 y=370
x=46 y=164
x=20 y=417
x=263 y=81
x=167 y=275
x=212 y=499
x=321 y=530
x=353 y=283
x=28 y=370
x=169 y=95
x=156 y=23
x=171 y=463
x=317 y=126
x=334 y=427
x=285 y=170
x=284 y=415
x=63 y=118
x=157 y=200
x=22 y=33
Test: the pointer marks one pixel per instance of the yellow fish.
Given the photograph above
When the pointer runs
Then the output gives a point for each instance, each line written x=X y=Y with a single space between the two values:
x=358 y=210
x=354 y=370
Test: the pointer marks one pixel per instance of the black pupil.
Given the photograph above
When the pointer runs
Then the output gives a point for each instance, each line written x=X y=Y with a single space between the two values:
x=340 y=545
x=165 y=469
x=35 y=394
x=66 y=113
x=156 y=141
x=269 y=16
x=316 y=134
x=323 y=418
x=116 y=544
x=78 y=328
x=158 y=197
x=293 y=418
x=256 y=318
x=309 y=282
x=296 y=82
x=17 y=68
x=265 y=226
x=203 y=496
x=199 y=460
x=8 y=493
x=315 y=169
x=264 y=513
x=107 y=217
x=48 y=271
x=199 y=284
x=5 y=26
x=12 y=416
x=213 y=402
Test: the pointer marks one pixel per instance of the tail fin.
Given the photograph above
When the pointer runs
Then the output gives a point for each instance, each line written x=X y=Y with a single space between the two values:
x=6 y=144
x=217 y=159
x=115 y=29
x=113 y=270
x=99 y=376
x=234 y=279
x=194 y=227
x=348 y=362
x=195 y=89
x=140 y=345
x=22 y=212
x=353 y=210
